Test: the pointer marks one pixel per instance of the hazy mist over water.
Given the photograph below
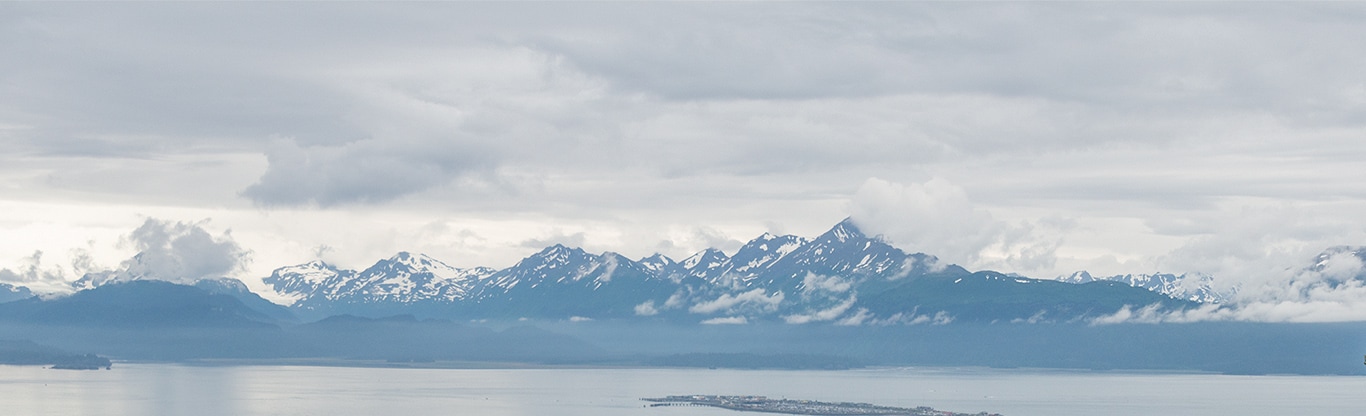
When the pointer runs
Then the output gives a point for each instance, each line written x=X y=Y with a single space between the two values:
x=167 y=389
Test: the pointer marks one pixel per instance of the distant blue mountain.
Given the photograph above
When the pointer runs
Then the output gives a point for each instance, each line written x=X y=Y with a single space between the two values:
x=156 y=320
x=10 y=293
x=25 y=352
x=137 y=304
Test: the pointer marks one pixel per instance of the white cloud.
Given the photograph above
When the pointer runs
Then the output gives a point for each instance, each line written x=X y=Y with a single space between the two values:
x=675 y=300
x=728 y=320
x=933 y=217
x=939 y=318
x=938 y=218
x=646 y=308
x=857 y=318
x=831 y=284
x=33 y=274
x=556 y=236
x=182 y=252
x=726 y=302
x=823 y=315
x=1334 y=292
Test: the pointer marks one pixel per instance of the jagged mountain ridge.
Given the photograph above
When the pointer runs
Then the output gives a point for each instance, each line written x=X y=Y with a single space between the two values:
x=1195 y=287
x=403 y=278
x=772 y=277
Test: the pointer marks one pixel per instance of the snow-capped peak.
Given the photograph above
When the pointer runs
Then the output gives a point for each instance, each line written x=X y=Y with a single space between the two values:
x=1078 y=277
x=658 y=259
x=557 y=254
x=705 y=259
x=418 y=261
x=845 y=231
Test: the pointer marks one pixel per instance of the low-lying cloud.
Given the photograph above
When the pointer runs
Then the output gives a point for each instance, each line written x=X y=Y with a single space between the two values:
x=556 y=237
x=181 y=252
x=755 y=298
x=819 y=283
x=1331 y=290
x=36 y=276
x=823 y=315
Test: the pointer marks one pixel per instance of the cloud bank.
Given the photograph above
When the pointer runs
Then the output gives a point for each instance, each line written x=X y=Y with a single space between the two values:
x=938 y=218
x=181 y=252
x=1331 y=290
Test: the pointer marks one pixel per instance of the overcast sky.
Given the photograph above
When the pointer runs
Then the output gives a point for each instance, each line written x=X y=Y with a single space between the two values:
x=1224 y=138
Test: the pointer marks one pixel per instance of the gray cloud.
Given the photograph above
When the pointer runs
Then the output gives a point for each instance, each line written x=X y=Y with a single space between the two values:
x=35 y=276
x=181 y=252
x=933 y=217
x=139 y=81
x=556 y=237
x=409 y=99
x=755 y=299
x=938 y=218
x=364 y=171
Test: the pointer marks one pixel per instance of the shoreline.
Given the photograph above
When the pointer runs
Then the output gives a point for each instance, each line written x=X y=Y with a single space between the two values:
x=513 y=365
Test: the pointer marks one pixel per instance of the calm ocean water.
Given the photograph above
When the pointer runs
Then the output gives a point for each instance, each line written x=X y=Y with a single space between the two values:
x=167 y=389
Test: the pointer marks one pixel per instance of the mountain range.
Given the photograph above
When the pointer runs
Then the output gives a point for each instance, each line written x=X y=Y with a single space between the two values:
x=841 y=297
x=842 y=276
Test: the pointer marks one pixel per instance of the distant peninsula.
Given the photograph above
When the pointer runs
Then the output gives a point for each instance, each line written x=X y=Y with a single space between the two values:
x=799 y=407
x=31 y=353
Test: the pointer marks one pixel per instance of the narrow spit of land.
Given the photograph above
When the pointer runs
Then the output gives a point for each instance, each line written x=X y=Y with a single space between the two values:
x=799 y=407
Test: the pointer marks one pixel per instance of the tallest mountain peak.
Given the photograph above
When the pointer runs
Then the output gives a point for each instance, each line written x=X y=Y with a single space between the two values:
x=846 y=230
x=404 y=257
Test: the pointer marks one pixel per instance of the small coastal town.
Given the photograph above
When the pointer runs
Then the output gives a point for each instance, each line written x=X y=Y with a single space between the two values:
x=798 y=407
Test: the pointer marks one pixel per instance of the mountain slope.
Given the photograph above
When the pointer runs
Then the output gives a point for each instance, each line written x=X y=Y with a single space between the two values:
x=239 y=291
x=141 y=303
x=991 y=296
